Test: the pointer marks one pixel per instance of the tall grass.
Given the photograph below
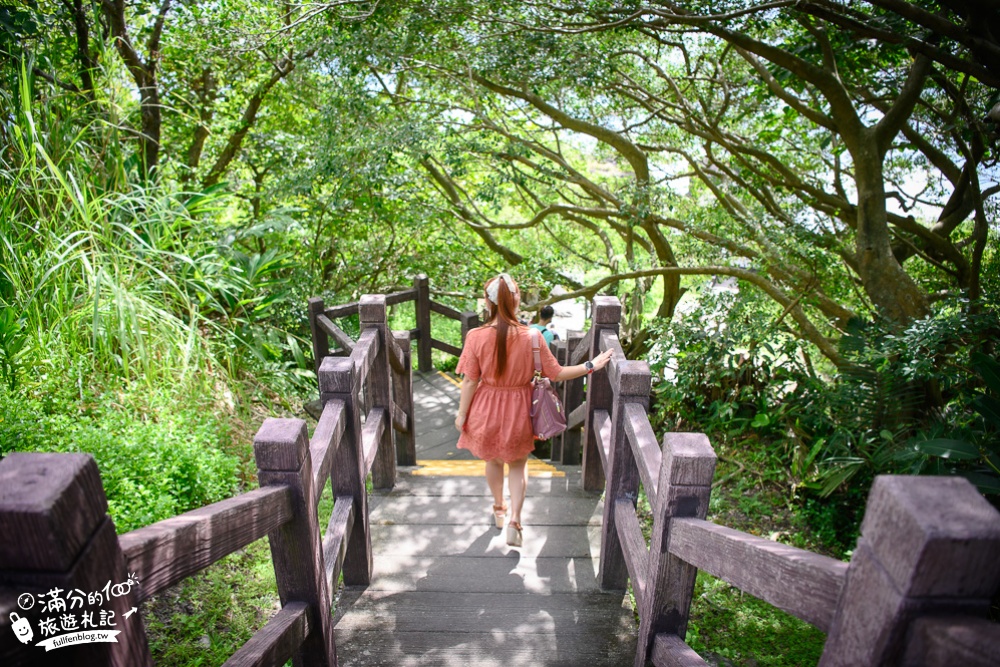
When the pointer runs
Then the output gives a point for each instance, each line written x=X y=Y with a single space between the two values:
x=116 y=333
x=96 y=267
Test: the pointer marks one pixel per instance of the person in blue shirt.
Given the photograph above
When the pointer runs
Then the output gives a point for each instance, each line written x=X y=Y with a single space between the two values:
x=544 y=318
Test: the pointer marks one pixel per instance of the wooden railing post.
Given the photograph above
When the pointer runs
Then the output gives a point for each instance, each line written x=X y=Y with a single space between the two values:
x=572 y=399
x=372 y=315
x=320 y=341
x=631 y=386
x=281 y=448
x=469 y=322
x=685 y=484
x=423 y=312
x=928 y=546
x=337 y=382
x=58 y=542
x=607 y=313
x=402 y=396
x=559 y=351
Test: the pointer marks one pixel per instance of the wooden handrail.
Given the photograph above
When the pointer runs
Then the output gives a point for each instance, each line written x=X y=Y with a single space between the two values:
x=163 y=553
x=447 y=311
x=275 y=643
x=343 y=310
x=645 y=448
x=338 y=334
x=397 y=356
x=351 y=308
x=400 y=420
x=323 y=327
x=609 y=341
x=446 y=347
x=582 y=350
x=602 y=435
x=669 y=650
x=371 y=434
x=392 y=298
x=924 y=542
x=325 y=441
x=810 y=584
x=633 y=546
x=364 y=354
x=576 y=417
x=338 y=533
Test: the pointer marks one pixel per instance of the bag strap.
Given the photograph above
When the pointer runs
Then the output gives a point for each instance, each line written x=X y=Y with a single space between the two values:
x=535 y=351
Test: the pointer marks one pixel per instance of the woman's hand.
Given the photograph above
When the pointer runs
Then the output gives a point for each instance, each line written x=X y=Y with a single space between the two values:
x=601 y=360
x=459 y=422
x=573 y=372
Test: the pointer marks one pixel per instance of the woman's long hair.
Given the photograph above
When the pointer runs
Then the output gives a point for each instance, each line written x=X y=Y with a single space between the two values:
x=504 y=313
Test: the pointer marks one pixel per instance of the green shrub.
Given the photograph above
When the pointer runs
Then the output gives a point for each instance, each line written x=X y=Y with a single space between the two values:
x=922 y=400
x=153 y=465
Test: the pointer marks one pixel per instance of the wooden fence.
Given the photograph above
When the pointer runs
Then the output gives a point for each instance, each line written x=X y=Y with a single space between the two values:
x=329 y=339
x=323 y=328
x=915 y=593
x=56 y=534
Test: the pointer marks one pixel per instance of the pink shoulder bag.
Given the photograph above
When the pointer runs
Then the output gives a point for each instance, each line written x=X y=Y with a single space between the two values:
x=547 y=415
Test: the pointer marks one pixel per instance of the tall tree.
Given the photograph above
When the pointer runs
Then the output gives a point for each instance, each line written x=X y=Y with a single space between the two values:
x=801 y=134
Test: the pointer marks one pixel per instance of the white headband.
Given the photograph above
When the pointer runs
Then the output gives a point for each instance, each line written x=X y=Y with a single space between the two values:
x=494 y=288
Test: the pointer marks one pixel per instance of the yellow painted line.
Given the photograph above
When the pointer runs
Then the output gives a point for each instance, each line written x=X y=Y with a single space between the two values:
x=472 y=468
x=450 y=379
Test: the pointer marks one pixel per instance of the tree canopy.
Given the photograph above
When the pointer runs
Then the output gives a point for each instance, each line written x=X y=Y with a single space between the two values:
x=838 y=157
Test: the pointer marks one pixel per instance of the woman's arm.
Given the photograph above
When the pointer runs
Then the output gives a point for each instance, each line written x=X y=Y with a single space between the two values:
x=570 y=372
x=468 y=389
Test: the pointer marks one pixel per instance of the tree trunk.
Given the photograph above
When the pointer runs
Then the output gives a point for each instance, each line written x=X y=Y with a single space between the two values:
x=87 y=62
x=149 y=100
x=894 y=293
x=205 y=90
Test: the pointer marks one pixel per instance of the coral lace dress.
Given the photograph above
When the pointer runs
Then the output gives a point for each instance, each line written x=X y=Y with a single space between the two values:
x=498 y=424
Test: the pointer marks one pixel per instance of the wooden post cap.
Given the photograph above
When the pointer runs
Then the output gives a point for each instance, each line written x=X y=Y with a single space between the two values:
x=371 y=308
x=633 y=378
x=607 y=310
x=281 y=444
x=690 y=459
x=934 y=535
x=336 y=375
x=50 y=505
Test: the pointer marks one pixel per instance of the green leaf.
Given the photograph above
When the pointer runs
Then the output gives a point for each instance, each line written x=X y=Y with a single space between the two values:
x=760 y=419
x=989 y=408
x=814 y=451
x=987 y=483
x=841 y=473
x=949 y=449
x=293 y=345
x=988 y=369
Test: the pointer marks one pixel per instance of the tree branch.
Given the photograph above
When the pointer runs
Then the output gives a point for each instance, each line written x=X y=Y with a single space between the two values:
x=809 y=330
x=635 y=157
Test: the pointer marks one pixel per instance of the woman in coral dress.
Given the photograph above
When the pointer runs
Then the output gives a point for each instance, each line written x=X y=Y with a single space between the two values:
x=494 y=411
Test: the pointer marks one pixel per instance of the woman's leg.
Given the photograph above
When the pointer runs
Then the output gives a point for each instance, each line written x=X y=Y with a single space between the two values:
x=494 y=477
x=518 y=480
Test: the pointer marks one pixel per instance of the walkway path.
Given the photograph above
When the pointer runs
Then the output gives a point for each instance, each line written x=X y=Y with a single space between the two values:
x=447 y=590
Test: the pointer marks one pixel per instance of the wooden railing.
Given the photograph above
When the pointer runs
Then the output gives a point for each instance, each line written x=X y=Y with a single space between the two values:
x=56 y=533
x=323 y=328
x=330 y=340
x=915 y=592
